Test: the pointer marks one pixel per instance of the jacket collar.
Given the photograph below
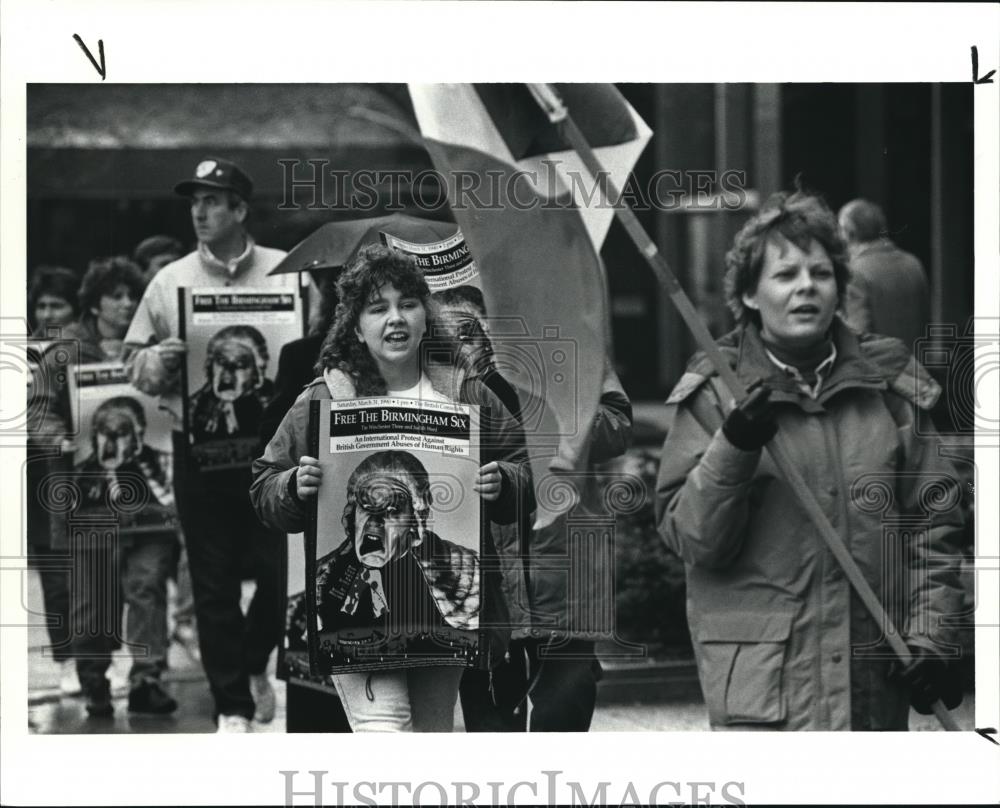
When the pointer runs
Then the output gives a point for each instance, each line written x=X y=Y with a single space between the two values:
x=850 y=370
x=445 y=380
x=229 y=268
x=879 y=245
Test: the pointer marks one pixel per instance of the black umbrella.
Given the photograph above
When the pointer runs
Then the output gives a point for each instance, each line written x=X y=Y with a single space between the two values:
x=334 y=244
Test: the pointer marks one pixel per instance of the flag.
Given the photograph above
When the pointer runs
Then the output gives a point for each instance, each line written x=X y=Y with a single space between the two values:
x=535 y=224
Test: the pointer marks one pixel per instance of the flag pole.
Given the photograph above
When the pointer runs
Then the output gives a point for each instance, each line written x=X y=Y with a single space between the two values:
x=552 y=105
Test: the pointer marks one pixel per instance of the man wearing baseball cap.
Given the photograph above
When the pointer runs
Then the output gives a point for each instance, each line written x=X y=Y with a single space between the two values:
x=219 y=526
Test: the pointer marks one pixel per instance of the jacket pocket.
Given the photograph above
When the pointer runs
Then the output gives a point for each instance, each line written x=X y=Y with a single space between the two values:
x=742 y=657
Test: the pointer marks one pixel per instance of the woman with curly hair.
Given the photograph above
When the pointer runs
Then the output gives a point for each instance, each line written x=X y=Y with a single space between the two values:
x=781 y=640
x=375 y=348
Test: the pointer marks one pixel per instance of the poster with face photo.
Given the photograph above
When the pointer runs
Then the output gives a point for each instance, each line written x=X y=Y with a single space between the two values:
x=393 y=551
x=233 y=338
x=123 y=464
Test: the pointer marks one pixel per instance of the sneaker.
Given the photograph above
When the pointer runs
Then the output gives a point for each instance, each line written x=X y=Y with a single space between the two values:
x=234 y=723
x=263 y=698
x=69 y=682
x=99 y=701
x=150 y=697
x=186 y=636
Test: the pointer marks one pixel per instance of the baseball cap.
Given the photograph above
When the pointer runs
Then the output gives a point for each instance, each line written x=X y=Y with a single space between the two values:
x=213 y=172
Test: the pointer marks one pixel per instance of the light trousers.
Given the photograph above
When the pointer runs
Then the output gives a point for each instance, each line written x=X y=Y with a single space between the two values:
x=403 y=700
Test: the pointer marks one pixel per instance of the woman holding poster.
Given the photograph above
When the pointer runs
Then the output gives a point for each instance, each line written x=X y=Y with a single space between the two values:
x=373 y=349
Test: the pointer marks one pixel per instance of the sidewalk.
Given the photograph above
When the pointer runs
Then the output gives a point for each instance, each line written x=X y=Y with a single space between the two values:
x=646 y=696
x=49 y=712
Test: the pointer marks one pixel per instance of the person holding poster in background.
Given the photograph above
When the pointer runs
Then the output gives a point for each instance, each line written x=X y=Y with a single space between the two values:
x=219 y=526
x=374 y=349
x=109 y=292
x=552 y=666
x=52 y=304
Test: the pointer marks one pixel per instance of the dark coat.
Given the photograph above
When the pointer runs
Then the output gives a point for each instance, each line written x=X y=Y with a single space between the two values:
x=296 y=369
x=887 y=293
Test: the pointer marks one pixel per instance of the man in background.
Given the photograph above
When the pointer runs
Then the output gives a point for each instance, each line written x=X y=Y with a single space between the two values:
x=155 y=252
x=887 y=293
x=220 y=528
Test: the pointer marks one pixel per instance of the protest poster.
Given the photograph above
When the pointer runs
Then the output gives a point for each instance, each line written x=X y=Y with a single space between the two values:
x=226 y=382
x=123 y=462
x=446 y=264
x=393 y=546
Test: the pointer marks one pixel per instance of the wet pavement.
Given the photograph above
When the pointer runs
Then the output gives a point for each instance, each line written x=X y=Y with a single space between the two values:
x=650 y=696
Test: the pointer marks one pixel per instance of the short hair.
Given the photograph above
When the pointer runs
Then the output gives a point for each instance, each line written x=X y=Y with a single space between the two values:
x=456 y=295
x=153 y=246
x=800 y=217
x=395 y=464
x=375 y=266
x=55 y=281
x=104 y=275
x=865 y=221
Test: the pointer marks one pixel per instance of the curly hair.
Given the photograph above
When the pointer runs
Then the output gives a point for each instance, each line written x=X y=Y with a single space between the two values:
x=800 y=217
x=394 y=464
x=374 y=266
x=103 y=277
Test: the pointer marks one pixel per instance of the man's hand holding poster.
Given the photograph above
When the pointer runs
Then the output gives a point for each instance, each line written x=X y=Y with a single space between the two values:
x=393 y=554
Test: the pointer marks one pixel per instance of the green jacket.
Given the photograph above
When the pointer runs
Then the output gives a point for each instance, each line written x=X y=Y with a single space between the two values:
x=773 y=618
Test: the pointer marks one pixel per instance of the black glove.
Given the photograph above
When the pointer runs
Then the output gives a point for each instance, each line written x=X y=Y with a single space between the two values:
x=751 y=424
x=930 y=678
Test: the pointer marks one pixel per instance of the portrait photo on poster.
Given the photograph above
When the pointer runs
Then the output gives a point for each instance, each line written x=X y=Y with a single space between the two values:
x=395 y=552
x=124 y=455
x=229 y=370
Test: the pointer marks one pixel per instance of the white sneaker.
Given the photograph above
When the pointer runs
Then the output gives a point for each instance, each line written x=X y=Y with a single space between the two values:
x=119 y=680
x=186 y=636
x=69 y=683
x=234 y=723
x=263 y=698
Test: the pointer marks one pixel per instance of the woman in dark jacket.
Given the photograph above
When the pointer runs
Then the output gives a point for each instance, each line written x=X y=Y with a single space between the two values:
x=781 y=640
x=374 y=348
